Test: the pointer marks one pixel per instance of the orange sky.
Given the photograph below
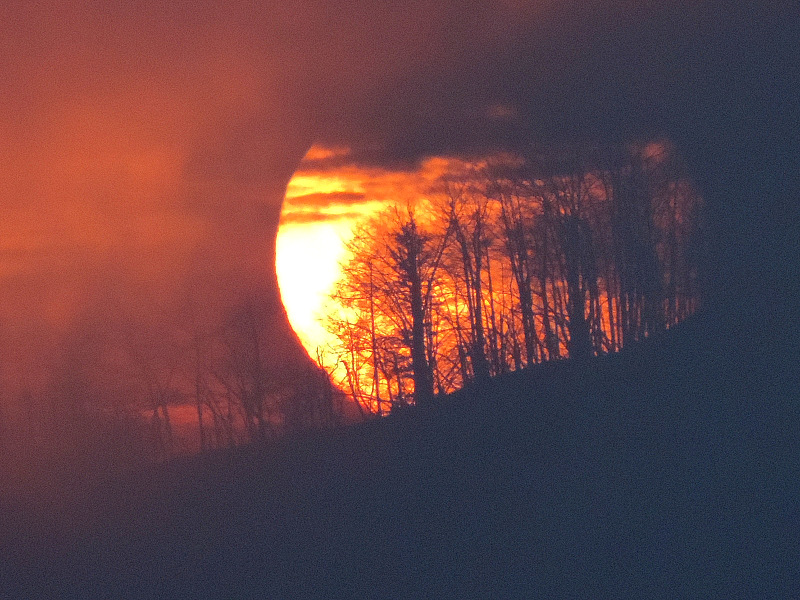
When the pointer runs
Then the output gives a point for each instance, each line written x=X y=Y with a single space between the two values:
x=146 y=149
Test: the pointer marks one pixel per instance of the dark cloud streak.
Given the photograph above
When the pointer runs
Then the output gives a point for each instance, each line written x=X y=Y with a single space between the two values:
x=306 y=217
x=326 y=199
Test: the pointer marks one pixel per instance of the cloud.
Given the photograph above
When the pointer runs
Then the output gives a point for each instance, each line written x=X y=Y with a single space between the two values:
x=305 y=217
x=325 y=200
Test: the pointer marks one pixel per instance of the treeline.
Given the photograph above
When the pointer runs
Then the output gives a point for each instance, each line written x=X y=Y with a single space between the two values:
x=512 y=262
x=127 y=391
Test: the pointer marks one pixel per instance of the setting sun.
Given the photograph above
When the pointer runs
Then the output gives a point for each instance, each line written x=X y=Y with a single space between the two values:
x=307 y=265
x=325 y=199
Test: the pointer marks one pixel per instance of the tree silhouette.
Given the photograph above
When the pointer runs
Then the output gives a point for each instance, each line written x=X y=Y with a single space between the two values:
x=519 y=261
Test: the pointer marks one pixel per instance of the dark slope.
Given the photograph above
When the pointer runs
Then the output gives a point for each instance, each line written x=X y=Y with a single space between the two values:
x=669 y=470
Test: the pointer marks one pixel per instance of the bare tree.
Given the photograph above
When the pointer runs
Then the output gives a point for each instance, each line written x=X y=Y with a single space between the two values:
x=243 y=371
x=465 y=211
x=517 y=262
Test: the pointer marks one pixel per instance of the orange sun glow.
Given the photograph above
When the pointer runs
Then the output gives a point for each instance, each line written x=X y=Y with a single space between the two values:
x=324 y=200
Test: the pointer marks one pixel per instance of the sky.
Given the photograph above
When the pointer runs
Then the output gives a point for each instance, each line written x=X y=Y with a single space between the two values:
x=147 y=146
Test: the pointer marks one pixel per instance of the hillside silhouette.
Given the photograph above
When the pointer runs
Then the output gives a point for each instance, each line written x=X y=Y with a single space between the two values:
x=666 y=470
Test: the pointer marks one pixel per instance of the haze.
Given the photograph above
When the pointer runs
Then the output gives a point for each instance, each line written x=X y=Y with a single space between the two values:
x=147 y=147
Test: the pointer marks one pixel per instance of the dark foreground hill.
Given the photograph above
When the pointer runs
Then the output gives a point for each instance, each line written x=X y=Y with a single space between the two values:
x=669 y=470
